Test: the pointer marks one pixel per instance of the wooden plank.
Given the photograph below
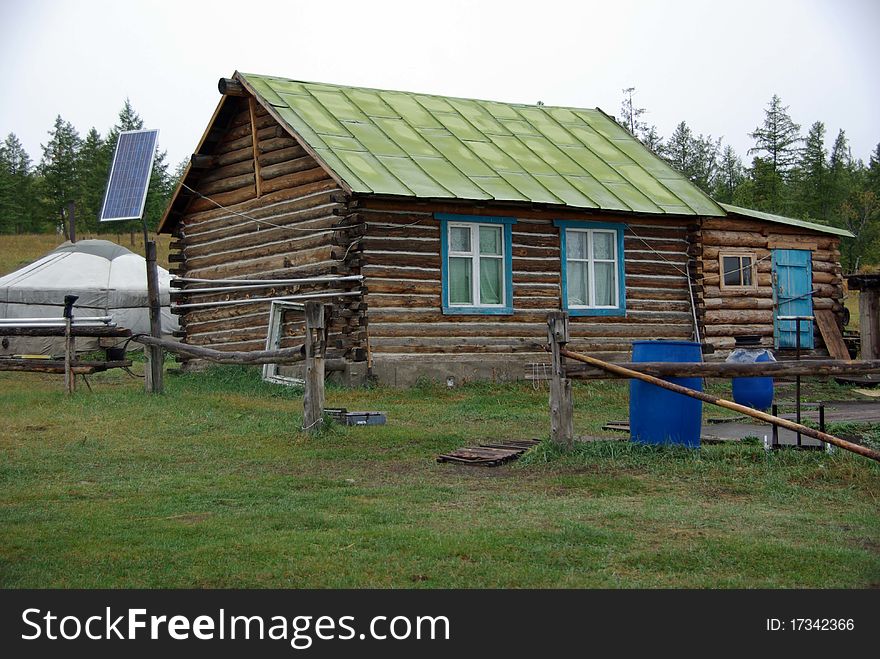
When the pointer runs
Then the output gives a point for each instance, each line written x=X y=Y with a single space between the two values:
x=315 y=344
x=869 y=322
x=827 y=323
x=255 y=143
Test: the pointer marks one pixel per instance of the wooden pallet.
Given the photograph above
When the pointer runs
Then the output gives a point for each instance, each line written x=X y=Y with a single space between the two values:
x=489 y=455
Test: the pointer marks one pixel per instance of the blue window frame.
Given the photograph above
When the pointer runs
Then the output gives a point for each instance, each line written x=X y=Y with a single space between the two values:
x=477 y=269
x=593 y=282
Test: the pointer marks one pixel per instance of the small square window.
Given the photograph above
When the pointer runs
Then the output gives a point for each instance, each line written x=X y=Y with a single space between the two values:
x=737 y=270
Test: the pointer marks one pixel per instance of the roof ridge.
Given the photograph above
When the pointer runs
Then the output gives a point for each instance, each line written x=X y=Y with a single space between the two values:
x=442 y=96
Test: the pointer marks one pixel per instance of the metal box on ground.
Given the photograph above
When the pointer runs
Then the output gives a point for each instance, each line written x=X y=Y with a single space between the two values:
x=347 y=418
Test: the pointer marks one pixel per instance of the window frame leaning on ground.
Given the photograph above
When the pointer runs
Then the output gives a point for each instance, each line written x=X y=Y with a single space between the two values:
x=753 y=269
x=591 y=228
x=450 y=221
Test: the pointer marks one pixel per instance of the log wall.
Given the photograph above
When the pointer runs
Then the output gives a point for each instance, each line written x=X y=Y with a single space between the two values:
x=294 y=211
x=727 y=313
x=401 y=266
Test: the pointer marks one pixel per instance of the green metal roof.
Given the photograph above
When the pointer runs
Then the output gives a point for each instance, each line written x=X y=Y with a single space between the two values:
x=418 y=145
x=790 y=221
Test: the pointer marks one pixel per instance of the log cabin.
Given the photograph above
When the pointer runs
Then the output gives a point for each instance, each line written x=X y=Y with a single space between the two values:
x=468 y=222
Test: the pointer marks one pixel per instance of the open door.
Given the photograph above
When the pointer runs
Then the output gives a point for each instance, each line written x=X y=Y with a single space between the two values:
x=792 y=296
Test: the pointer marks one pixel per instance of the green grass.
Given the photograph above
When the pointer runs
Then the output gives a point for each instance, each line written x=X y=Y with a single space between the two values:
x=213 y=485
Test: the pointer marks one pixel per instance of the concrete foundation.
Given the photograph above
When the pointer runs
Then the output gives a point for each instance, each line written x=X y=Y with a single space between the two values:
x=406 y=370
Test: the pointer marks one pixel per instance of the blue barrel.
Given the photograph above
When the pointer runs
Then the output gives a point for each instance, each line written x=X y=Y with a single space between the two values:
x=660 y=416
x=756 y=393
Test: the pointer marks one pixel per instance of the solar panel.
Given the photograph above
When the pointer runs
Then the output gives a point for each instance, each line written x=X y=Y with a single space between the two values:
x=129 y=176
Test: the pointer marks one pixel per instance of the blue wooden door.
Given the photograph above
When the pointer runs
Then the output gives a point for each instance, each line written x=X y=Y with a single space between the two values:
x=793 y=296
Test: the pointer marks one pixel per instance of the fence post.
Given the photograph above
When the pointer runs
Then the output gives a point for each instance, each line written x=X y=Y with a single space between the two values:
x=561 y=422
x=69 y=345
x=153 y=368
x=315 y=345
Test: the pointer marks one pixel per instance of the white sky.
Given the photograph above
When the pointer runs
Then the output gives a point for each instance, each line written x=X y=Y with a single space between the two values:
x=714 y=64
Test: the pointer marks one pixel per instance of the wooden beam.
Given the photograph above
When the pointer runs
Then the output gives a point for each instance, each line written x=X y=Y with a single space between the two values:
x=282 y=356
x=561 y=411
x=57 y=365
x=736 y=407
x=869 y=322
x=202 y=161
x=315 y=346
x=256 y=144
x=230 y=87
x=817 y=368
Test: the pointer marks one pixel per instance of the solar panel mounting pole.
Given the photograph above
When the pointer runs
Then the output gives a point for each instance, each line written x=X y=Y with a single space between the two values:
x=125 y=199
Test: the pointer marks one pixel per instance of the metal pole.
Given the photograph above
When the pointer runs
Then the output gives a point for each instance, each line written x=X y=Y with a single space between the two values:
x=797 y=324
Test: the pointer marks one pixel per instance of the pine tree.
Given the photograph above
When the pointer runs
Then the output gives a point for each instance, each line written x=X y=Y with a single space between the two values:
x=762 y=189
x=18 y=206
x=58 y=169
x=812 y=177
x=94 y=166
x=730 y=176
x=778 y=138
x=695 y=157
x=630 y=114
x=873 y=175
x=632 y=121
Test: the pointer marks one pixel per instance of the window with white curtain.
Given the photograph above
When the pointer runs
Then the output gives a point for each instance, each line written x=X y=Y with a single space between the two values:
x=593 y=272
x=476 y=263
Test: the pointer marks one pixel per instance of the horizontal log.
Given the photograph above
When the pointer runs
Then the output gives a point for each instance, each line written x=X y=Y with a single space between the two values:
x=738 y=316
x=426 y=245
x=244 y=129
x=733 y=303
x=807 y=368
x=224 y=199
x=284 y=356
x=281 y=155
x=201 y=161
x=534 y=330
x=276 y=143
x=287 y=167
x=295 y=179
x=308 y=196
x=239 y=155
x=267 y=266
x=653 y=268
x=231 y=87
x=227 y=184
x=93 y=332
x=57 y=365
x=738 y=330
x=228 y=171
x=299 y=224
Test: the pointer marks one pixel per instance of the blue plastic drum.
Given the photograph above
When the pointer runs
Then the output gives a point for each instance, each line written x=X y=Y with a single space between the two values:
x=756 y=393
x=660 y=416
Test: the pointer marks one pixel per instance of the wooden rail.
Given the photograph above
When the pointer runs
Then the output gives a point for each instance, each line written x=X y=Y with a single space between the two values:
x=819 y=367
x=727 y=404
x=561 y=430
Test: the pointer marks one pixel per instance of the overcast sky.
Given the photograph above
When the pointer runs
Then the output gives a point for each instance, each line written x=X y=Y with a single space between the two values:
x=712 y=64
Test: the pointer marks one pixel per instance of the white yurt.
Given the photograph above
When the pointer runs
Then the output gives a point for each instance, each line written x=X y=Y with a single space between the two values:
x=108 y=279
